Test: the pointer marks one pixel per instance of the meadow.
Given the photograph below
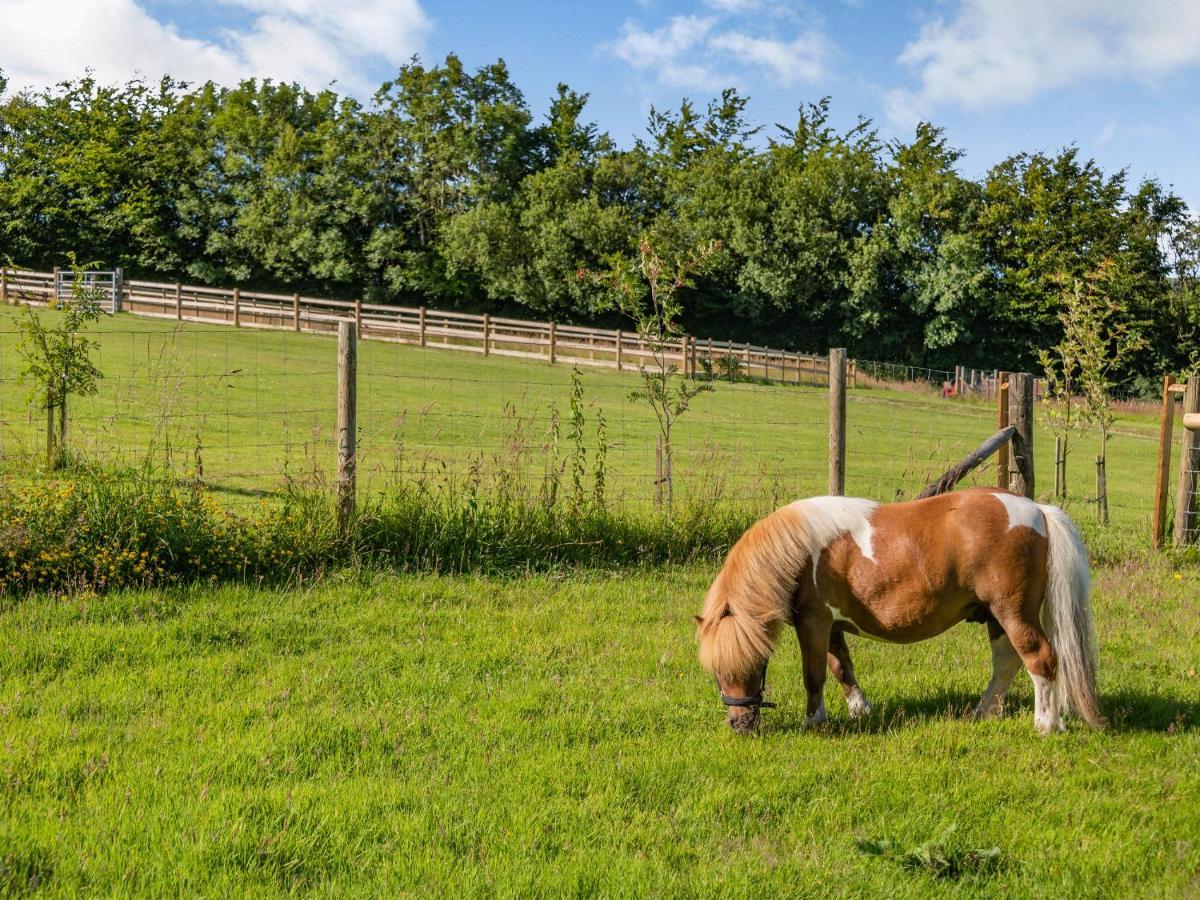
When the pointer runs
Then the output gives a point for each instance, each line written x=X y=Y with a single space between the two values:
x=553 y=735
x=380 y=731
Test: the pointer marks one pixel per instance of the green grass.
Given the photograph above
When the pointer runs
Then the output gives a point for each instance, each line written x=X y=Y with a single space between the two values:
x=256 y=408
x=554 y=735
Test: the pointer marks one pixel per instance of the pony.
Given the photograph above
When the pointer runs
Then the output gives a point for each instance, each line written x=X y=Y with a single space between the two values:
x=903 y=572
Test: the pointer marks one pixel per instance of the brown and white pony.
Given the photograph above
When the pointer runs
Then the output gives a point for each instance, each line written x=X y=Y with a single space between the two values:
x=903 y=572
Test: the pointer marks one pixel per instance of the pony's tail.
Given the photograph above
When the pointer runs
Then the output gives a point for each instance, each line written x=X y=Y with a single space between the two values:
x=1067 y=618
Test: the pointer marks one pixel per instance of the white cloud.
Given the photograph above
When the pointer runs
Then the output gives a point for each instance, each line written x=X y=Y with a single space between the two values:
x=669 y=51
x=791 y=62
x=1004 y=52
x=690 y=52
x=46 y=41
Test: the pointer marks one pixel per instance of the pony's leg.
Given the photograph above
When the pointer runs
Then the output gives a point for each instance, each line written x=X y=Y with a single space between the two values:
x=1005 y=663
x=813 y=633
x=1040 y=661
x=843 y=671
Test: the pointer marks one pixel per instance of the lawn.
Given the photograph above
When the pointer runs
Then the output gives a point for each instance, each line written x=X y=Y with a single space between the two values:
x=554 y=735
x=374 y=733
x=252 y=408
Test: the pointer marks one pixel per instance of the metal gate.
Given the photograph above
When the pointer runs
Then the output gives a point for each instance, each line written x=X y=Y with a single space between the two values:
x=105 y=286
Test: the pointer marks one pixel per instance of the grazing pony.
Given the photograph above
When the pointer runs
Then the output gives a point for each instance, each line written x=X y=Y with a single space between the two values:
x=903 y=572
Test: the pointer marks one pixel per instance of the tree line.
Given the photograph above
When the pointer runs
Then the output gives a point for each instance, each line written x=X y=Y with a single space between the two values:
x=443 y=190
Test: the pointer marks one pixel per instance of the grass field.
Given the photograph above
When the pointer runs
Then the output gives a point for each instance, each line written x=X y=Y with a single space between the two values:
x=554 y=735
x=256 y=406
x=373 y=733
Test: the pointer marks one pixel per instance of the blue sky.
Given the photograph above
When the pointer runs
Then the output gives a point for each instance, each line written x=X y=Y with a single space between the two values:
x=1119 y=79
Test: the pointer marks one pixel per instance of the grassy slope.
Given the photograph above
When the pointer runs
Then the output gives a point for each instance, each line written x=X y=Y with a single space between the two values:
x=556 y=736
x=262 y=402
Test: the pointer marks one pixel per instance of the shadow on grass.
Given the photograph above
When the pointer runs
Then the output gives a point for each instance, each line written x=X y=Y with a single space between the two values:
x=1127 y=712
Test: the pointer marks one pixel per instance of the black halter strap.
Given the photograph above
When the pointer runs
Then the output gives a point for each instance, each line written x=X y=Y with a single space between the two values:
x=754 y=701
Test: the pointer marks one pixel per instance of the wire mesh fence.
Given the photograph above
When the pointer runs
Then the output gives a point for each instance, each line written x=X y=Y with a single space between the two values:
x=250 y=413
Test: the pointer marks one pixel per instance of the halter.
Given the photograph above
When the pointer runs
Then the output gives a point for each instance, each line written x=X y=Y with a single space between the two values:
x=754 y=701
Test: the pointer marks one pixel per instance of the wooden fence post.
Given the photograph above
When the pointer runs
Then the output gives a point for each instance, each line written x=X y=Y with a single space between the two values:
x=178 y=302
x=346 y=424
x=551 y=353
x=237 y=307
x=487 y=327
x=421 y=326
x=692 y=358
x=837 y=421
x=358 y=319
x=1186 y=512
x=1165 y=427
x=1002 y=422
x=1020 y=414
x=3 y=285
x=295 y=312
x=620 y=338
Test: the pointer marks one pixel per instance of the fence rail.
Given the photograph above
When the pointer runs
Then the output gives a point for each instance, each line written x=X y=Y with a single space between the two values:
x=438 y=329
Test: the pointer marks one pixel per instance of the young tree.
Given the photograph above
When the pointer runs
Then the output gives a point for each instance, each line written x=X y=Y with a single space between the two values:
x=646 y=289
x=58 y=360
x=1097 y=337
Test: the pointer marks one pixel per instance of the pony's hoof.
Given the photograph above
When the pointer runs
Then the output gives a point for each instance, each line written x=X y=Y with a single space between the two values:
x=816 y=718
x=858 y=705
x=1049 y=726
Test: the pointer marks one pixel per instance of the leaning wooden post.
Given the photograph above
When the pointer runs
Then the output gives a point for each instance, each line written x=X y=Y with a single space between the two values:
x=1020 y=415
x=1165 y=427
x=1187 y=528
x=295 y=312
x=178 y=302
x=837 y=421
x=346 y=425
x=237 y=307
x=551 y=352
x=1002 y=422
x=487 y=330
x=1101 y=490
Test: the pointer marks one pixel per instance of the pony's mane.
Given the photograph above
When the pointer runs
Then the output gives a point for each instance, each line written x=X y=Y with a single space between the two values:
x=750 y=600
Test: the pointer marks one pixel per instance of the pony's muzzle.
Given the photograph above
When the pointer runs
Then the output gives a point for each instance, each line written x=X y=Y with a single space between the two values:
x=745 y=721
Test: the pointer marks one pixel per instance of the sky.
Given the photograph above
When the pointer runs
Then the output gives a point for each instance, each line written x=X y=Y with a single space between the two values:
x=1118 y=79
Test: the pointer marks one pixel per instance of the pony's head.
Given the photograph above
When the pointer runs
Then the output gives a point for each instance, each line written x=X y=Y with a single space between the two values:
x=735 y=647
x=746 y=606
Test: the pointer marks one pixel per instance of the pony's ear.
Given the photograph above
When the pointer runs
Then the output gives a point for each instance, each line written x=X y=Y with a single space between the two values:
x=699 y=619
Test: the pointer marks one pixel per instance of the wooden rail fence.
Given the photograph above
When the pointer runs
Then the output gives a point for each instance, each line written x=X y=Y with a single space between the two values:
x=484 y=334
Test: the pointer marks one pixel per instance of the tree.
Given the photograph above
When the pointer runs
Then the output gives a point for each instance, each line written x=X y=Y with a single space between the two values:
x=1095 y=339
x=646 y=289
x=58 y=360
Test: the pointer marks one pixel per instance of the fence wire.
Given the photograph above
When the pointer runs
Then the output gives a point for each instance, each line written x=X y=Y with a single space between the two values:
x=251 y=413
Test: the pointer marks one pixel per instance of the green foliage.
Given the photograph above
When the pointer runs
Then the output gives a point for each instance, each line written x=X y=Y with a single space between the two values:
x=442 y=190
x=58 y=358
